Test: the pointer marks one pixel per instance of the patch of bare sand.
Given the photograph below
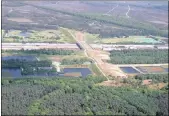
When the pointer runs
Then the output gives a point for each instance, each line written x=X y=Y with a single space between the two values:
x=146 y=82
x=55 y=58
x=111 y=83
x=157 y=86
x=21 y=20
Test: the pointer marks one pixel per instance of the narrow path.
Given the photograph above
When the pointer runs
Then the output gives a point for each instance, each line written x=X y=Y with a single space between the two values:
x=111 y=10
x=128 y=12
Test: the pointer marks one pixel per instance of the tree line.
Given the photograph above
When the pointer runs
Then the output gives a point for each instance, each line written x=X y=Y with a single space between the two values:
x=139 y=56
x=44 y=51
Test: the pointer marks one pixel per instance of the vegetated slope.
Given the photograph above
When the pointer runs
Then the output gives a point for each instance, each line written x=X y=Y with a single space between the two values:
x=77 y=96
x=139 y=56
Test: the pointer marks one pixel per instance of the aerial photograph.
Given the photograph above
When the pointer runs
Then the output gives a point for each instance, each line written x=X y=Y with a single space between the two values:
x=84 y=57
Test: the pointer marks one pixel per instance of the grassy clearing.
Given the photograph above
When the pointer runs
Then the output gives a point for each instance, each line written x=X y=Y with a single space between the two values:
x=95 y=70
x=131 y=39
x=60 y=36
x=73 y=57
x=2 y=32
x=14 y=33
x=66 y=37
x=92 y=38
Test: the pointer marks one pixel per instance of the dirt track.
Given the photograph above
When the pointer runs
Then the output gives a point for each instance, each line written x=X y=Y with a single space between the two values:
x=97 y=56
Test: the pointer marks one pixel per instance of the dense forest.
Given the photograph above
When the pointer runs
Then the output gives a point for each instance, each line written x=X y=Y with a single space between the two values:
x=78 y=96
x=139 y=56
x=43 y=51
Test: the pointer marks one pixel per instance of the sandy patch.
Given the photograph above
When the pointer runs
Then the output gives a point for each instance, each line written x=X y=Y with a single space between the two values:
x=147 y=82
x=55 y=58
x=111 y=83
x=21 y=20
x=157 y=86
x=74 y=74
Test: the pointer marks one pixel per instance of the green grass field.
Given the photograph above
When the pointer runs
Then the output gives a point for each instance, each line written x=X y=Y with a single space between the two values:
x=95 y=70
x=2 y=32
x=131 y=39
x=92 y=38
x=60 y=36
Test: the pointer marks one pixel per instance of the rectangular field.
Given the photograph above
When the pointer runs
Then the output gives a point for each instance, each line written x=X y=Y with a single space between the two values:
x=131 y=39
x=151 y=69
